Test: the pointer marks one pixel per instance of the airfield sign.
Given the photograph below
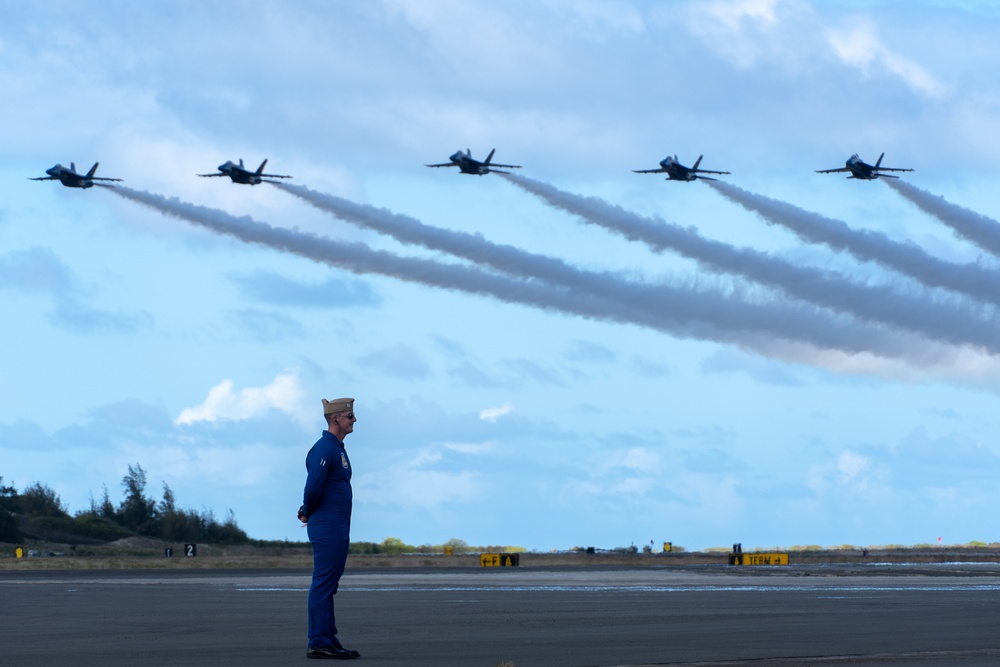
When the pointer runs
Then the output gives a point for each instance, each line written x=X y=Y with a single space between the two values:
x=499 y=560
x=763 y=559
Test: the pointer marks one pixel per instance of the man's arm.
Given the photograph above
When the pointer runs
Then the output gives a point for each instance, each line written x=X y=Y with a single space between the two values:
x=317 y=465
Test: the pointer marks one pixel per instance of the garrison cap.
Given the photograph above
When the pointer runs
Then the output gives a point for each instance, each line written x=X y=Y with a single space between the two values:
x=337 y=405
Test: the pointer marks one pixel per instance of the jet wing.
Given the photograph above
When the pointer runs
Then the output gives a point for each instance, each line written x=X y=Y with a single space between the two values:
x=709 y=171
x=505 y=166
x=661 y=170
x=832 y=171
x=446 y=164
x=44 y=178
x=102 y=178
x=211 y=175
x=274 y=176
x=891 y=169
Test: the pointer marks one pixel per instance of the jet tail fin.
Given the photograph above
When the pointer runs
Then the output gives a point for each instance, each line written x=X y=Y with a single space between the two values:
x=92 y=171
x=879 y=161
x=72 y=167
x=697 y=162
x=490 y=156
x=260 y=169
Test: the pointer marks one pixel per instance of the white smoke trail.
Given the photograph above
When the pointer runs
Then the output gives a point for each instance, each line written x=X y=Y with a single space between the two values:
x=974 y=227
x=611 y=286
x=942 y=319
x=682 y=313
x=969 y=279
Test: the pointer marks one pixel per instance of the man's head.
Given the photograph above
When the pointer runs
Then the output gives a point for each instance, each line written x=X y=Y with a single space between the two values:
x=339 y=415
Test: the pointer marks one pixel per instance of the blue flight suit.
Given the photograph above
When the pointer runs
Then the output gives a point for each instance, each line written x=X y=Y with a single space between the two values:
x=326 y=505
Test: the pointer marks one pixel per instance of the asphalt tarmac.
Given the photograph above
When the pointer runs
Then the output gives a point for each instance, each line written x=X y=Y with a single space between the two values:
x=514 y=617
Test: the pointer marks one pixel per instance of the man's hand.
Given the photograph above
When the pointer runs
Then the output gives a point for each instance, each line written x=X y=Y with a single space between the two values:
x=301 y=516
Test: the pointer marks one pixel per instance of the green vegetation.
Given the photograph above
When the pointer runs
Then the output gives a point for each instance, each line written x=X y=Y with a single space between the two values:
x=394 y=546
x=38 y=512
x=9 y=531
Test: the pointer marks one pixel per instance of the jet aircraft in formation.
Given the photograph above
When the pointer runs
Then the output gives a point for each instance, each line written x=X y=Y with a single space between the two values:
x=240 y=174
x=675 y=171
x=71 y=179
x=669 y=165
x=469 y=165
x=862 y=170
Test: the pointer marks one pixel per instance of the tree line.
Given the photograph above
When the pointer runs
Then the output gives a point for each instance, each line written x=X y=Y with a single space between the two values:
x=38 y=508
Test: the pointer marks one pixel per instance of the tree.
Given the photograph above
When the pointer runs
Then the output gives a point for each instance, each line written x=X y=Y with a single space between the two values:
x=177 y=525
x=40 y=500
x=393 y=545
x=137 y=512
x=9 y=532
x=227 y=532
x=107 y=510
x=458 y=546
x=168 y=505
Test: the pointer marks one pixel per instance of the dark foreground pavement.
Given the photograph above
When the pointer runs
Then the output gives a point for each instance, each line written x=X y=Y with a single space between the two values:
x=515 y=617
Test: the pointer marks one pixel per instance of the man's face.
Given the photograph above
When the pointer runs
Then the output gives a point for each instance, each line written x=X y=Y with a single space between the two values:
x=346 y=421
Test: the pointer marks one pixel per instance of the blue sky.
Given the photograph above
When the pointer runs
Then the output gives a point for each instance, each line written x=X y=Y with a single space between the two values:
x=733 y=412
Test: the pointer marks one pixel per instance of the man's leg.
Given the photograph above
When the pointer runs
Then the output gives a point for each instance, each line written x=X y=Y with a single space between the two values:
x=329 y=558
x=339 y=561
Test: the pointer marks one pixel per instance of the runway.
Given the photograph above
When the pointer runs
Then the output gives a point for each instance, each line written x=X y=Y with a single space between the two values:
x=516 y=617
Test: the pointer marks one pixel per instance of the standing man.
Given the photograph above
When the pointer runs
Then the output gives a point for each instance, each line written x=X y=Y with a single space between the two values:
x=326 y=510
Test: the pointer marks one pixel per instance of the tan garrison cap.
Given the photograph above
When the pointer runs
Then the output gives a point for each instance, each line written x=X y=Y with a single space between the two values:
x=337 y=405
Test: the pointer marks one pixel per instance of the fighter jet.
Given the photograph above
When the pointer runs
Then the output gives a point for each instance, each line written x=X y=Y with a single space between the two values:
x=469 y=165
x=861 y=170
x=71 y=179
x=675 y=171
x=240 y=174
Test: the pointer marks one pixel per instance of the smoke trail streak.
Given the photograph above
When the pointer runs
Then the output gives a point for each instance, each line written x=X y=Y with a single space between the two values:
x=939 y=319
x=974 y=227
x=521 y=263
x=701 y=315
x=969 y=279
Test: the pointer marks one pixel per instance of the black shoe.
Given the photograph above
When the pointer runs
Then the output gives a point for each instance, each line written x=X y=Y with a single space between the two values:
x=354 y=654
x=331 y=652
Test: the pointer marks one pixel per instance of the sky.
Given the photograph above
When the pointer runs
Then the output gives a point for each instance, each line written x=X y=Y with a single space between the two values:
x=569 y=355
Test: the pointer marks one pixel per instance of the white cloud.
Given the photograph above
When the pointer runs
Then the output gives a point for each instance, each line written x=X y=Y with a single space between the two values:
x=788 y=33
x=207 y=464
x=859 y=46
x=733 y=14
x=745 y=31
x=960 y=366
x=493 y=414
x=640 y=458
x=451 y=25
x=412 y=483
x=426 y=488
x=470 y=448
x=851 y=464
x=636 y=486
x=284 y=394
x=600 y=15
